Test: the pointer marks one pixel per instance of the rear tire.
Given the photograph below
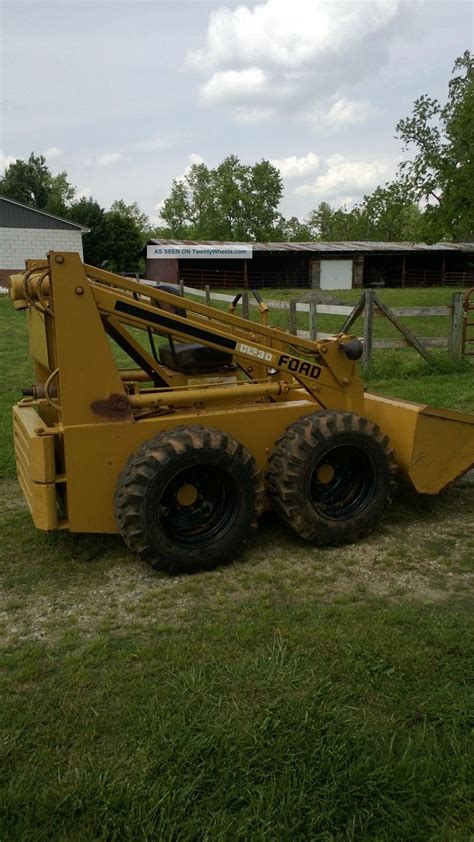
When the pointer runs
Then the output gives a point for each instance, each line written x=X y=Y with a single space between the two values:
x=330 y=477
x=189 y=499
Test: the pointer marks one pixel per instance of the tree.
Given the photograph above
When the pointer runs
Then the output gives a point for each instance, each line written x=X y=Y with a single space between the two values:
x=88 y=212
x=176 y=210
x=391 y=214
x=234 y=201
x=122 y=242
x=329 y=223
x=203 y=213
x=115 y=240
x=32 y=183
x=293 y=230
x=388 y=214
x=134 y=213
x=265 y=192
x=442 y=169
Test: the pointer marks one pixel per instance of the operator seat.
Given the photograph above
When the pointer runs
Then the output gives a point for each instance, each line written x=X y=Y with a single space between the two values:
x=188 y=357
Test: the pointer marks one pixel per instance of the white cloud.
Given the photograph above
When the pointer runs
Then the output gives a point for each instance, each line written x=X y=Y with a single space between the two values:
x=84 y=193
x=166 y=139
x=296 y=54
x=156 y=218
x=294 y=167
x=108 y=158
x=53 y=152
x=345 y=111
x=193 y=158
x=235 y=85
x=252 y=114
x=344 y=176
x=288 y=35
x=6 y=160
x=346 y=201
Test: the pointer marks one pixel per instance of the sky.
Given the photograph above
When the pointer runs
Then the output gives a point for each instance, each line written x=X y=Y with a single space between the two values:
x=126 y=95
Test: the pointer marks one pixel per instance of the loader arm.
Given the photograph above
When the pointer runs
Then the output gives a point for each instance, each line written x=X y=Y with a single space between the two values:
x=322 y=368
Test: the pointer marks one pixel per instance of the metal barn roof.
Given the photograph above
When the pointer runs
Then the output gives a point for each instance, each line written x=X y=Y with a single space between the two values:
x=334 y=247
x=15 y=214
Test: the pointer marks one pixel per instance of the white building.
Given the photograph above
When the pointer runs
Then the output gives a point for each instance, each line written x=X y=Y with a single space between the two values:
x=27 y=233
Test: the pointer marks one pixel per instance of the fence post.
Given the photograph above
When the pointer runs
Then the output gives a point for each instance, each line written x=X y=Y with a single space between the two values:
x=208 y=295
x=455 y=330
x=292 y=313
x=368 y=328
x=181 y=287
x=313 y=330
x=245 y=304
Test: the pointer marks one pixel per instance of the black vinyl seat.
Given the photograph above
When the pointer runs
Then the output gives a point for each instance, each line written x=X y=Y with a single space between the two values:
x=190 y=356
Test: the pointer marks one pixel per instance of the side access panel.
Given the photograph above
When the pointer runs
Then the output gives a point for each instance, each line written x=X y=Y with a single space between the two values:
x=35 y=465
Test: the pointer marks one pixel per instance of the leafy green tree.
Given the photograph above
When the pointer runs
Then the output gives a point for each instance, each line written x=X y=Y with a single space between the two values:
x=233 y=201
x=88 y=212
x=441 y=172
x=134 y=213
x=203 y=213
x=293 y=230
x=265 y=190
x=115 y=240
x=390 y=213
x=176 y=210
x=229 y=183
x=122 y=242
x=329 y=223
x=32 y=183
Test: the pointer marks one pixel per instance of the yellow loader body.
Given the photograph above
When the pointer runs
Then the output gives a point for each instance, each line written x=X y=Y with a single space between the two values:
x=87 y=415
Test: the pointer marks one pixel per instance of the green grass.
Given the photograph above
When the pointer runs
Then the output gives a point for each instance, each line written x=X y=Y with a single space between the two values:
x=441 y=382
x=289 y=723
x=300 y=693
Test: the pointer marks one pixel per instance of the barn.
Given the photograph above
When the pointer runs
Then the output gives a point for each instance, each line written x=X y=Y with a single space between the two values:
x=324 y=265
x=27 y=233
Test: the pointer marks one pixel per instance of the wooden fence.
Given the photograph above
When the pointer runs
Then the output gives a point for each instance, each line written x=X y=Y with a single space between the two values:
x=369 y=307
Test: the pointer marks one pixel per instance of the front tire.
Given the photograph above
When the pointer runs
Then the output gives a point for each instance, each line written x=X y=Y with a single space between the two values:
x=330 y=477
x=189 y=499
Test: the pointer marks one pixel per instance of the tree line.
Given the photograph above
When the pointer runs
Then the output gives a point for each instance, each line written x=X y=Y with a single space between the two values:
x=431 y=198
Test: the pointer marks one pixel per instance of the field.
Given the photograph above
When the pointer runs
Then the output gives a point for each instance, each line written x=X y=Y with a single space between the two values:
x=297 y=694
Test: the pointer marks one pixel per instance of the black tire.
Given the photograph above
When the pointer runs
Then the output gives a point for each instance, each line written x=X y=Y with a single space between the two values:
x=330 y=477
x=221 y=492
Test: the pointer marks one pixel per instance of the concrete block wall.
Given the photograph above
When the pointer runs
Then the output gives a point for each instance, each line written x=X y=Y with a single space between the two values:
x=20 y=244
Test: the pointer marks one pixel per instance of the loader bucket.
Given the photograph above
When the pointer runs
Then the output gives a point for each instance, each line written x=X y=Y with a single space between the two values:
x=433 y=447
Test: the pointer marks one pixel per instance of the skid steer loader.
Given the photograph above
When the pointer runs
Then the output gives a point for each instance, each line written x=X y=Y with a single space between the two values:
x=212 y=419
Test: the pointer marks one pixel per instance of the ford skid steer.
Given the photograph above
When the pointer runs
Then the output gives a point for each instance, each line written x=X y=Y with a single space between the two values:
x=212 y=419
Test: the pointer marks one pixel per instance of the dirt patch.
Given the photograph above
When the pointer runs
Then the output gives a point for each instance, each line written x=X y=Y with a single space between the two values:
x=11 y=497
x=423 y=551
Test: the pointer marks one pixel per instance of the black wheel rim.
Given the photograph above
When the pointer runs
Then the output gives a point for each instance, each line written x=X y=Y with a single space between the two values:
x=342 y=482
x=198 y=505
